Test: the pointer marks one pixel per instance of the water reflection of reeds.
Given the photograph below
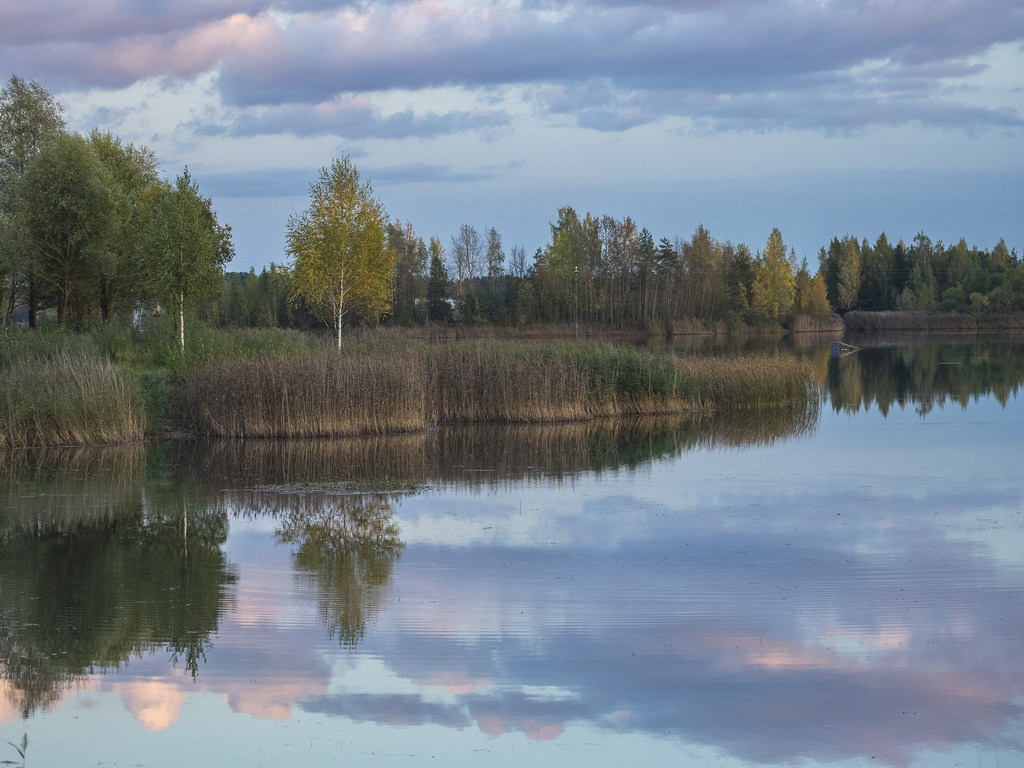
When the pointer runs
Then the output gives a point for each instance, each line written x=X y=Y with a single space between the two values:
x=61 y=488
x=481 y=455
x=67 y=486
x=133 y=537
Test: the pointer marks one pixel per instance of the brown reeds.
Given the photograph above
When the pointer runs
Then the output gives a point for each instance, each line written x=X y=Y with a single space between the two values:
x=810 y=324
x=931 y=321
x=375 y=389
x=68 y=398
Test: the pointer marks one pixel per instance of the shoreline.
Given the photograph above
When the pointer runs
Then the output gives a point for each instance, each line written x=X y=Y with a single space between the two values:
x=115 y=386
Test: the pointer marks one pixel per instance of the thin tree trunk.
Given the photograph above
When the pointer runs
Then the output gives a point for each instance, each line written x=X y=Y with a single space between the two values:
x=9 y=309
x=33 y=301
x=339 y=310
x=181 y=320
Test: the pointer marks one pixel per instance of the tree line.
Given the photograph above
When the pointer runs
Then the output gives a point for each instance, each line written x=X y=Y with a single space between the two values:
x=609 y=272
x=89 y=229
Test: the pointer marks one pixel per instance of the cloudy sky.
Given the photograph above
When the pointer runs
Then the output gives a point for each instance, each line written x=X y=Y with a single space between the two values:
x=820 y=117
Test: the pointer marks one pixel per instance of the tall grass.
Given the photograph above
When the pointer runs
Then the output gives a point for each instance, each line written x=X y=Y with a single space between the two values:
x=392 y=386
x=58 y=388
x=68 y=397
x=808 y=324
x=931 y=321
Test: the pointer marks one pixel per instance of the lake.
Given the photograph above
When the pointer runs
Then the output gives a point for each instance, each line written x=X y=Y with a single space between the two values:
x=836 y=586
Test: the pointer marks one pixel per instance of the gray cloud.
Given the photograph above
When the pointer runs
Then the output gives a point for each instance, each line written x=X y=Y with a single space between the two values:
x=359 y=121
x=743 y=63
x=415 y=173
x=291 y=182
x=284 y=182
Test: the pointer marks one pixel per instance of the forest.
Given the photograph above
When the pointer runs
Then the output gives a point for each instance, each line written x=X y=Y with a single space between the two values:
x=606 y=272
x=89 y=232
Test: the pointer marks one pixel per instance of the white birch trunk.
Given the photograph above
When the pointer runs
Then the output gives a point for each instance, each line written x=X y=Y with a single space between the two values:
x=337 y=322
x=181 y=320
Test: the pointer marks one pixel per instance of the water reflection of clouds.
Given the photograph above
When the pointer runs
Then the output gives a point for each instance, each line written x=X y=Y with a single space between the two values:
x=767 y=629
x=846 y=647
x=858 y=516
x=155 y=703
x=816 y=613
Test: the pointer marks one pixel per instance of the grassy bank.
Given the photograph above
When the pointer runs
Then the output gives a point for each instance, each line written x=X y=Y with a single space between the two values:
x=68 y=397
x=394 y=387
x=116 y=385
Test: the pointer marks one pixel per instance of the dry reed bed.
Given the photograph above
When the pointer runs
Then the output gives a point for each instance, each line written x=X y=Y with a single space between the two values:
x=931 y=321
x=375 y=389
x=68 y=398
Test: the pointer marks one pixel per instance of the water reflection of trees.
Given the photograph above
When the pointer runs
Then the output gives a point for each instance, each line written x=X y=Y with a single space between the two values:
x=99 y=564
x=346 y=550
x=344 y=538
x=488 y=454
x=106 y=554
x=898 y=372
x=334 y=499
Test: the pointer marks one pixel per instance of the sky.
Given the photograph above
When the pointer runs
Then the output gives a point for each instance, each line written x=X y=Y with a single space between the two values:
x=820 y=117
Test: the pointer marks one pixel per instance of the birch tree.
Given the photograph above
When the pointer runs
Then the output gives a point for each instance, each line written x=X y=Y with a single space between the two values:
x=189 y=249
x=466 y=253
x=342 y=262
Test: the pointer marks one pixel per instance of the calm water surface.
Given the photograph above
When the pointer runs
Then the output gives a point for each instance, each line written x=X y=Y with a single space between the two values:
x=842 y=587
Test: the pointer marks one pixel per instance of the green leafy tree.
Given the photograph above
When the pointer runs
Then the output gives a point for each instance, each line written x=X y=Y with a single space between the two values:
x=495 y=255
x=646 y=278
x=923 y=286
x=188 y=249
x=495 y=258
x=341 y=259
x=29 y=118
x=68 y=207
x=774 y=285
x=438 y=308
x=120 y=268
x=811 y=297
x=616 y=261
x=878 y=264
x=559 y=267
x=410 y=281
x=740 y=279
x=849 y=274
x=842 y=268
x=670 y=274
x=702 y=258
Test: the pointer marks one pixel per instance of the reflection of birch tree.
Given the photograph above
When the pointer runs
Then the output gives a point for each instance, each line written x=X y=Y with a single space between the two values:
x=346 y=548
